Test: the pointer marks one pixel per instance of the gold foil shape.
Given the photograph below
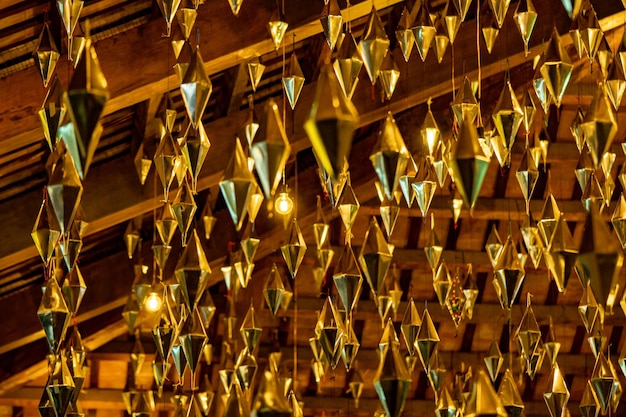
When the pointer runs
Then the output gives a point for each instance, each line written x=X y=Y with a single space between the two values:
x=347 y=66
x=46 y=54
x=525 y=17
x=556 y=394
x=483 y=400
x=375 y=256
x=250 y=329
x=389 y=156
x=293 y=251
x=54 y=315
x=293 y=81
x=347 y=278
x=404 y=34
x=237 y=186
x=195 y=87
x=423 y=30
x=373 y=45
x=332 y=22
x=192 y=271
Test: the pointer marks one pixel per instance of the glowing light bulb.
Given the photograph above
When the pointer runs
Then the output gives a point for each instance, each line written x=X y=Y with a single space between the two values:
x=283 y=204
x=153 y=302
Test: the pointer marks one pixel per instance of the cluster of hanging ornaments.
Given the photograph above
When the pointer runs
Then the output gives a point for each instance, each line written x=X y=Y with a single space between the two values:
x=70 y=120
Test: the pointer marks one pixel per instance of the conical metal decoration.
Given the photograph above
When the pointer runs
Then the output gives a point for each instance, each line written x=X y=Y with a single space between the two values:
x=52 y=112
x=441 y=41
x=73 y=289
x=455 y=299
x=525 y=17
x=556 y=394
x=161 y=254
x=373 y=45
x=347 y=66
x=508 y=274
x=404 y=34
x=375 y=256
x=255 y=72
x=619 y=221
x=270 y=401
x=183 y=209
x=471 y=293
x=493 y=247
x=551 y=345
x=555 y=67
x=493 y=360
x=331 y=332
x=592 y=196
x=60 y=386
x=588 y=404
x=195 y=87
x=490 y=27
x=169 y=9
x=70 y=11
x=64 y=188
x=273 y=290
x=507 y=115
x=589 y=309
x=195 y=148
x=186 y=17
x=430 y=132
x=468 y=164
x=389 y=75
x=86 y=97
x=167 y=160
x=350 y=346
x=249 y=245
x=390 y=156
x=591 y=34
x=235 y=6
x=451 y=21
x=237 y=186
x=332 y=22
x=433 y=248
x=550 y=215
x=143 y=163
x=446 y=405
x=602 y=382
x=237 y=403
x=615 y=84
x=427 y=339
x=277 y=28
x=293 y=81
x=584 y=169
x=528 y=334
x=331 y=123
x=483 y=400
x=442 y=282
x=192 y=271
x=45 y=232
x=131 y=311
x=600 y=256
x=462 y=6
x=392 y=381
x=293 y=251
x=246 y=367
x=270 y=150
x=46 y=54
x=54 y=315
x=410 y=326
x=510 y=396
x=250 y=329
x=423 y=29
x=425 y=185
x=348 y=206
x=167 y=224
x=192 y=338
x=347 y=278
x=599 y=126
x=527 y=175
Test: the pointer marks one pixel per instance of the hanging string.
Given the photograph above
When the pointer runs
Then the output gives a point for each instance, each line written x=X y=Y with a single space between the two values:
x=478 y=48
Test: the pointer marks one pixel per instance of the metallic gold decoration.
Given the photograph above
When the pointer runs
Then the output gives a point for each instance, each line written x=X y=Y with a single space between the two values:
x=528 y=335
x=347 y=278
x=446 y=406
x=452 y=19
x=389 y=75
x=331 y=21
x=348 y=206
x=293 y=251
x=54 y=315
x=455 y=299
x=237 y=404
x=507 y=115
x=45 y=232
x=46 y=54
x=60 y=386
x=250 y=329
x=389 y=156
x=584 y=169
x=347 y=66
x=433 y=248
x=550 y=215
x=483 y=400
x=270 y=400
x=404 y=34
x=490 y=27
x=392 y=381
x=442 y=282
x=375 y=256
x=423 y=30
x=192 y=271
x=427 y=339
x=591 y=34
x=527 y=175
x=510 y=396
x=64 y=188
x=350 y=346
x=615 y=84
x=183 y=209
x=468 y=165
x=589 y=309
x=525 y=17
x=169 y=9
x=277 y=28
x=195 y=148
x=425 y=186
x=561 y=254
x=270 y=150
x=237 y=186
x=493 y=360
x=441 y=41
x=195 y=87
x=551 y=345
x=331 y=124
x=330 y=329
x=255 y=72
x=599 y=126
x=273 y=290
x=235 y=6
x=619 y=220
x=86 y=97
x=192 y=338
x=167 y=160
x=373 y=45
x=52 y=112
x=556 y=394
x=70 y=11
x=355 y=385
x=389 y=212
x=600 y=256
x=293 y=81
x=555 y=67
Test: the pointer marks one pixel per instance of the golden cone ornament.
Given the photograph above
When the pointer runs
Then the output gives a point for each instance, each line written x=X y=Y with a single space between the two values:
x=373 y=45
x=375 y=257
x=237 y=186
x=332 y=22
x=347 y=278
x=556 y=394
x=404 y=34
x=293 y=81
x=483 y=400
x=295 y=248
x=423 y=30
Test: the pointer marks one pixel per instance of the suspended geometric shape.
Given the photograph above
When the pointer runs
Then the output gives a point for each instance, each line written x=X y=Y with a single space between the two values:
x=192 y=272
x=375 y=257
x=293 y=81
x=423 y=30
x=255 y=72
x=392 y=381
x=332 y=22
x=195 y=87
x=555 y=67
x=293 y=251
x=389 y=156
x=373 y=45
x=389 y=75
x=347 y=66
x=556 y=394
x=54 y=315
x=483 y=400
x=347 y=278
x=525 y=17
x=250 y=329
x=237 y=186
x=427 y=339
x=404 y=34
x=277 y=28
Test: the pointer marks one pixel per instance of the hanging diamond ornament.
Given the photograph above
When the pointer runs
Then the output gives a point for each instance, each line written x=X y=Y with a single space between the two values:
x=423 y=30
x=64 y=189
x=404 y=34
x=54 y=315
x=192 y=271
x=493 y=360
x=46 y=54
x=375 y=256
x=392 y=381
x=295 y=248
x=555 y=67
x=192 y=338
x=619 y=220
x=373 y=45
x=389 y=156
x=195 y=148
x=45 y=232
x=293 y=81
x=167 y=160
x=237 y=186
x=183 y=209
x=331 y=124
x=273 y=290
x=52 y=112
x=507 y=116
x=270 y=150
x=490 y=27
x=277 y=28
x=348 y=206
x=527 y=175
x=525 y=17
x=250 y=329
x=255 y=72
x=195 y=87
x=347 y=66
x=427 y=339
x=60 y=386
x=331 y=21
x=599 y=126
x=347 y=278
x=389 y=75
x=556 y=394
x=425 y=186
x=483 y=400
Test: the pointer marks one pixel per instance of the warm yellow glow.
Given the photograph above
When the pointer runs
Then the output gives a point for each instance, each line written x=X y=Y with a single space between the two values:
x=153 y=302
x=283 y=204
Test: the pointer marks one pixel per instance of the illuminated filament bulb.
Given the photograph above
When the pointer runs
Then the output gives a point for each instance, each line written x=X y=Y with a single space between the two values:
x=153 y=302
x=283 y=204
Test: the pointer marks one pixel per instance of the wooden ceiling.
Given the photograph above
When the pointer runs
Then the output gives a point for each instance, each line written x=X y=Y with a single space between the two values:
x=137 y=61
